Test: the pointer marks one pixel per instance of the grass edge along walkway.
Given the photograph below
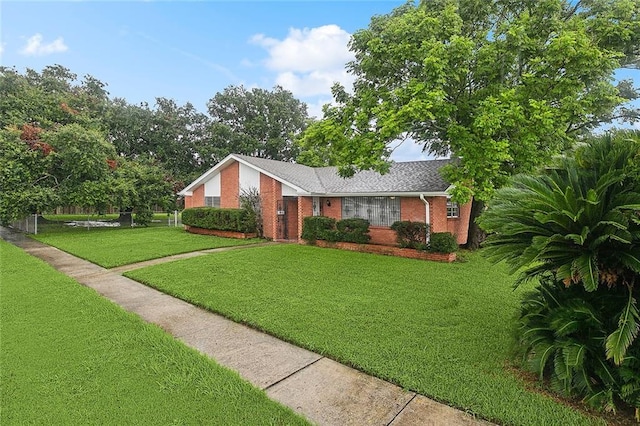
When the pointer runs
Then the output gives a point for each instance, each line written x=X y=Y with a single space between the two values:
x=69 y=356
x=343 y=305
x=114 y=247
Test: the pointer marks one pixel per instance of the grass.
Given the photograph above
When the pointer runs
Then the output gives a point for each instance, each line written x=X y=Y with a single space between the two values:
x=111 y=247
x=439 y=329
x=69 y=356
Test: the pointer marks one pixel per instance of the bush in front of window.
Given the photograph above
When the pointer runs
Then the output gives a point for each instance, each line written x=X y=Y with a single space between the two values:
x=411 y=234
x=238 y=220
x=325 y=228
x=353 y=230
x=316 y=228
x=442 y=242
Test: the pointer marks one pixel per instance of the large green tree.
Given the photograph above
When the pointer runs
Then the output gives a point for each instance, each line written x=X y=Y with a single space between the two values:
x=54 y=149
x=256 y=122
x=503 y=85
x=175 y=137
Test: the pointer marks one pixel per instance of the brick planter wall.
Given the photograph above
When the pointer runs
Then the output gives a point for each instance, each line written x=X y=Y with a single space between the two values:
x=219 y=233
x=389 y=251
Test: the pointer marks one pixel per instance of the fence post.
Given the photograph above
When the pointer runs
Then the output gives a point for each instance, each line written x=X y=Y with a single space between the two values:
x=175 y=218
x=35 y=224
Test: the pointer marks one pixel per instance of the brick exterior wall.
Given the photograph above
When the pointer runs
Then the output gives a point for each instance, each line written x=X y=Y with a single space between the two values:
x=334 y=210
x=292 y=218
x=460 y=226
x=438 y=214
x=270 y=193
x=413 y=209
x=305 y=209
x=230 y=186
x=195 y=200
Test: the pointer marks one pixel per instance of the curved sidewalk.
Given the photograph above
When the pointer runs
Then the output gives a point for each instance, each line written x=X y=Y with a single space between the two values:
x=322 y=390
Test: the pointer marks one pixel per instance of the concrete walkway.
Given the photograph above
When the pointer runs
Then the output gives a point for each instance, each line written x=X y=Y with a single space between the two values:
x=322 y=390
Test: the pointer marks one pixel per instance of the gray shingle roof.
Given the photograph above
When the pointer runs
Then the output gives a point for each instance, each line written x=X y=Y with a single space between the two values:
x=411 y=176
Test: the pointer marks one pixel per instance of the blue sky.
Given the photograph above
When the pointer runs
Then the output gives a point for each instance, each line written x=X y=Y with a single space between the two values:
x=189 y=51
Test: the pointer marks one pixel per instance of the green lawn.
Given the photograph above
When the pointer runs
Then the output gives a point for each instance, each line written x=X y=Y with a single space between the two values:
x=69 y=356
x=111 y=247
x=439 y=329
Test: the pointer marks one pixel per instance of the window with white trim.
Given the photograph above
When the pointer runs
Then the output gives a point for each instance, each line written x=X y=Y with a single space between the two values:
x=379 y=211
x=212 y=201
x=453 y=209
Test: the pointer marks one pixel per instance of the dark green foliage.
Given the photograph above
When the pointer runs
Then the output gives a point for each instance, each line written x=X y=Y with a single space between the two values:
x=442 y=242
x=562 y=331
x=411 y=234
x=314 y=227
x=325 y=228
x=578 y=226
x=251 y=201
x=238 y=220
x=143 y=216
x=354 y=230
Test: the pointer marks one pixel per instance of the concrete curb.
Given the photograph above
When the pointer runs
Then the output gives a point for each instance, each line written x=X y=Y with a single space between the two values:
x=322 y=390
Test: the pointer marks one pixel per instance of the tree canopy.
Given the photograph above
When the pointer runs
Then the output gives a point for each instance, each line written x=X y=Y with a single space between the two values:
x=503 y=85
x=256 y=122
x=54 y=149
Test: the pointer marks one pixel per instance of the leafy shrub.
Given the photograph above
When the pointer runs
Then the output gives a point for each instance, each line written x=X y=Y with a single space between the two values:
x=314 y=227
x=561 y=335
x=143 y=217
x=576 y=228
x=326 y=228
x=353 y=230
x=251 y=201
x=238 y=220
x=443 y=242
x=411 y=234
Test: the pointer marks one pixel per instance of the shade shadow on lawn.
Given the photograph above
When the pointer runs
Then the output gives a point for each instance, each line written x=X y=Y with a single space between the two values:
x=439 y=329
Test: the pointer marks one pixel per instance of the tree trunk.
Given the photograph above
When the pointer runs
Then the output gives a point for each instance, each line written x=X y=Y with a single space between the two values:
x=475 y=235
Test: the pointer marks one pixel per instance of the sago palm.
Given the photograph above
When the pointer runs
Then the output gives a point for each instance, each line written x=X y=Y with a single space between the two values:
x=579 y=225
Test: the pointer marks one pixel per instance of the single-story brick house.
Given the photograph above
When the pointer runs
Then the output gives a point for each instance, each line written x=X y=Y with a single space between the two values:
x=290 y=192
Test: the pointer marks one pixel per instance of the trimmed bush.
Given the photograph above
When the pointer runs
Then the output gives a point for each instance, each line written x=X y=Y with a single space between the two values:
x=443 y=242
x=326 y=228
x=411 y=234
x=353 y=230
x=238 y=220
x=314 y=227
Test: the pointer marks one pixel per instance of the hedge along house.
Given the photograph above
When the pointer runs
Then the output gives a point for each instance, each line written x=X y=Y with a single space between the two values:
x=289 y=192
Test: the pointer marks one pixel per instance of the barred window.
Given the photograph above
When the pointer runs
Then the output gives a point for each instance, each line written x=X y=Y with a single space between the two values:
x=212 y=201
x=453 y=209
x=379 y=211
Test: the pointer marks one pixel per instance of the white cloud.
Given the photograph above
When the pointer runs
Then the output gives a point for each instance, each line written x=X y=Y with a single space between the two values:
x=35 y=46
x=310 y=60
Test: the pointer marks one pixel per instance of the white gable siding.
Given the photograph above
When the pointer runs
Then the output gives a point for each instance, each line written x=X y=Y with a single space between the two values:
x=249 y=177
x=212 y=186
x=287 y=190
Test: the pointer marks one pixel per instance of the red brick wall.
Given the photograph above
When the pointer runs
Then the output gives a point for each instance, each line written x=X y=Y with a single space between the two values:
x=438 y=214
x=230 y=186
x=270 y=192
x=305 y=209
x=413 y=209
x=460 y=226
x=382 y=235
x=334 y=210
x=195 y=200
x=292 y=218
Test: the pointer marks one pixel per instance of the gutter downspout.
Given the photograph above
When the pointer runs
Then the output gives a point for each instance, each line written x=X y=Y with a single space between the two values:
x=426 y=216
